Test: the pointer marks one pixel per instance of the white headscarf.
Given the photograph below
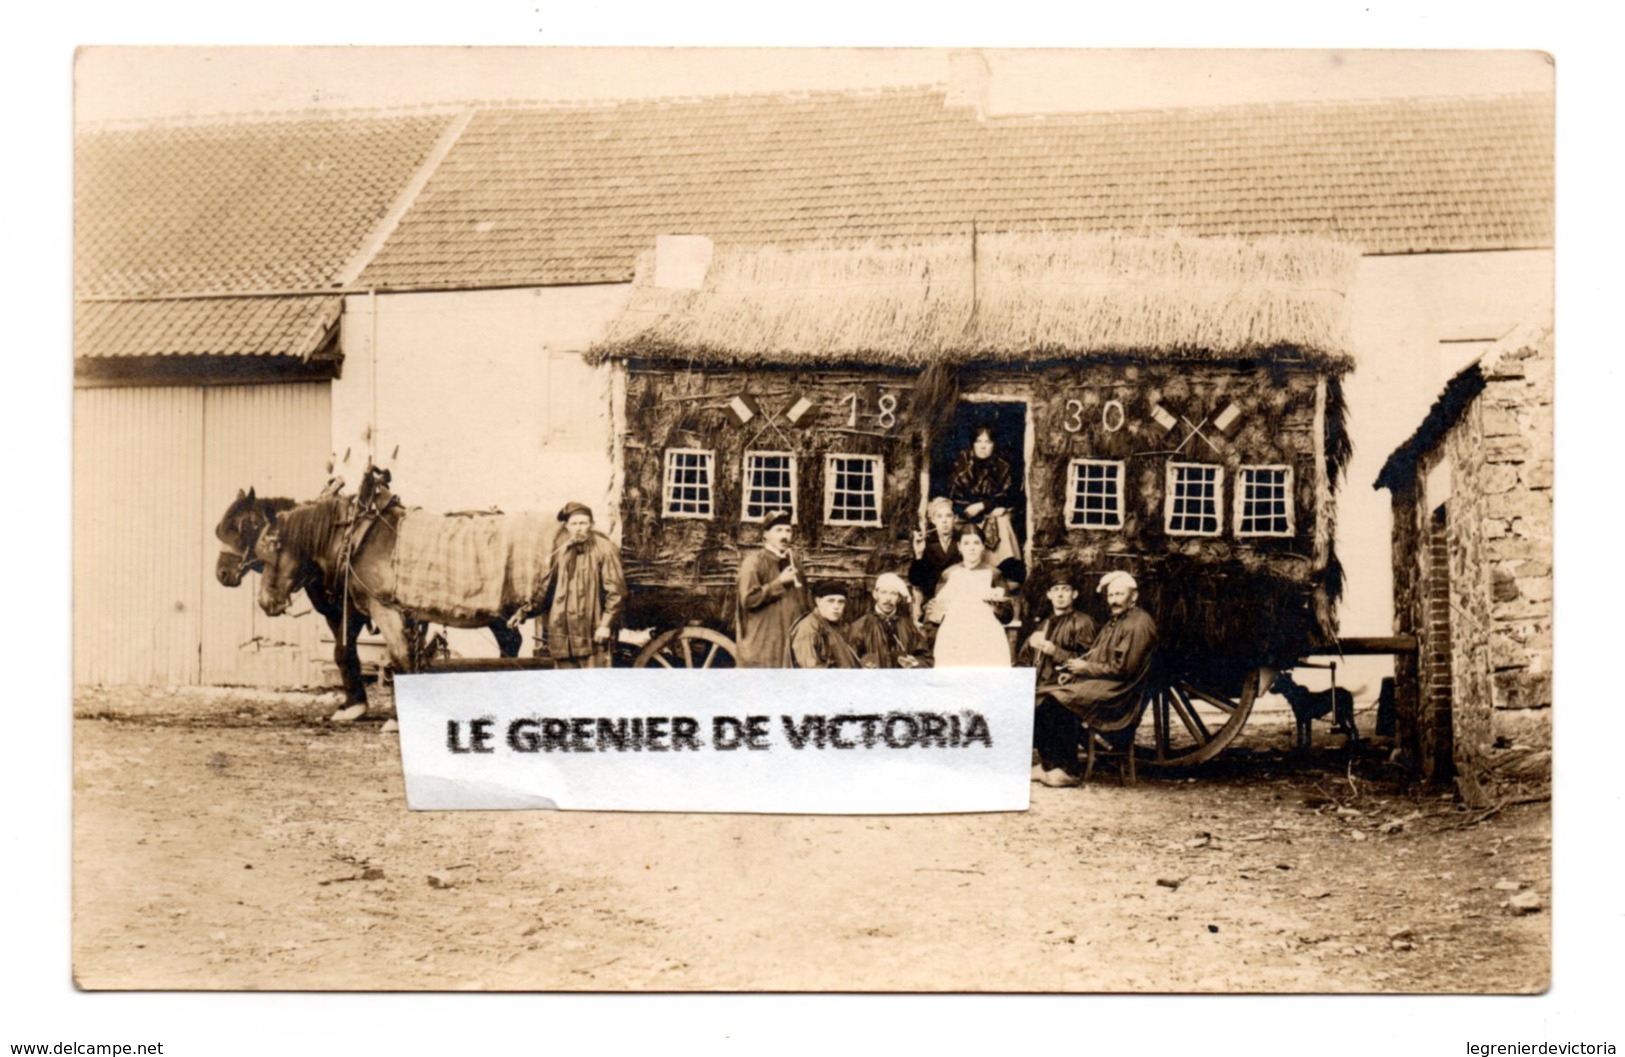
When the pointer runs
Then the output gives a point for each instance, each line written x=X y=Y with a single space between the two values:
x=1117 y=576
x=891 y=582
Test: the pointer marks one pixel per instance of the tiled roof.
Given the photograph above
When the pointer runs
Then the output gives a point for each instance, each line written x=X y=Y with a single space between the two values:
x=220 y=326
x=572 y=194
x=237 y=208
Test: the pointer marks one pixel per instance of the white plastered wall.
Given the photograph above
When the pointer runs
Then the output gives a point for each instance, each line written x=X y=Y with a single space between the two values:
x=1417 y=320
x=479 y=399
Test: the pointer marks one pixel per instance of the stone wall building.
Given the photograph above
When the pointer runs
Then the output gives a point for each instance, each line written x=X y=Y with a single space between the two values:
x=1472 y=506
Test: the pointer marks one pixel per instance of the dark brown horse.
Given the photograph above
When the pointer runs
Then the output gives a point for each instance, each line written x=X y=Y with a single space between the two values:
x=240 y=530
x=324 y=540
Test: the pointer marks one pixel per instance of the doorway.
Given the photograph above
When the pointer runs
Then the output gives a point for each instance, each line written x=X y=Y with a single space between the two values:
x=1007 y=421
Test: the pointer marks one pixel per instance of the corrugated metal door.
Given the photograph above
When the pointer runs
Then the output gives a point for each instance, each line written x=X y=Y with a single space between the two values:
x=154 y=468
x=137 y=500
x=275 y=438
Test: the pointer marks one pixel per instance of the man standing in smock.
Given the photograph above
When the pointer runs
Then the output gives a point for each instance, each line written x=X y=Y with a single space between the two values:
x=585 y=595
x=771 y=597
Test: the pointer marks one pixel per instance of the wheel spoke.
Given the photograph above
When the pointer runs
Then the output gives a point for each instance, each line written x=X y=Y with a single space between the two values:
x=661 y=660
x=1192 y=690
x=1187 y=716
x=711 y=655
x=688 y=651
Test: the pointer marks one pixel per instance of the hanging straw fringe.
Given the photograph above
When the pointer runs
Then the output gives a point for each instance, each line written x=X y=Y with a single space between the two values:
x=1035 y=296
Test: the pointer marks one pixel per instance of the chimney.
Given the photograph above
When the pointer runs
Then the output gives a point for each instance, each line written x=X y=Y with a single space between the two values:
x=681 y=261
x=969 y=79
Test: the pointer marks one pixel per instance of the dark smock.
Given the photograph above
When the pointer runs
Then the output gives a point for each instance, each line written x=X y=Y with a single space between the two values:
x=1102 y=692
x=816 y=643
x=585 y=592
x=1070 y=634
x=925 y=572
x=879 y=641
x=1056 y=730
x=987 y=481
x=767 y=610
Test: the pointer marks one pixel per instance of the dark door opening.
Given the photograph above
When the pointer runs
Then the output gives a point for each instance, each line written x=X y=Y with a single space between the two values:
x=1007 y=422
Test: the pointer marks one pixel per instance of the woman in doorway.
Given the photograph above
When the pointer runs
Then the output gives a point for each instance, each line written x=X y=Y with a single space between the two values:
x=966 y=603
x=983 y=492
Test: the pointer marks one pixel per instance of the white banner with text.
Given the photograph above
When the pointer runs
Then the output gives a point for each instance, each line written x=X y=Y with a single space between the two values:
x=801 y=742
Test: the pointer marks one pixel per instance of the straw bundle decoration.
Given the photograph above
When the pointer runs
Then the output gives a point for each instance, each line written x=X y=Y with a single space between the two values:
x=1027 y=297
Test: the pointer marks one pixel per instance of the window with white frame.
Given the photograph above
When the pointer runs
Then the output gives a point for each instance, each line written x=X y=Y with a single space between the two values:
x=688 y=486
x=1264 y=501
x=1191 y=506
x=1094 y=494
x=769 y=484
x=852 y=489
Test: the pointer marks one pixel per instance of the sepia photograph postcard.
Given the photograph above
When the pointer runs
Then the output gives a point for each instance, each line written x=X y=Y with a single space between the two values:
x=1210 y=393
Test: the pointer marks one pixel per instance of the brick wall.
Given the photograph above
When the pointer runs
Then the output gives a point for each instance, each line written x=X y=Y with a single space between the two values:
x=1436 y=656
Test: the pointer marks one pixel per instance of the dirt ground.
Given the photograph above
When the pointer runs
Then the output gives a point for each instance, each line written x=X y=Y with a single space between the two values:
x=237 y=840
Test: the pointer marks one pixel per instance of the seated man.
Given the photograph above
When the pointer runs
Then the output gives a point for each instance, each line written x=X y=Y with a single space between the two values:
x=815 y=640
x=887 y=637
x=1062 y=635
x=1097 y=686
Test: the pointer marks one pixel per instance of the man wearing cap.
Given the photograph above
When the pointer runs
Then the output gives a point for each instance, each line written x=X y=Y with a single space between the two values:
x=1066 y=633
x=1096 y=686
x=770 y=599
x=886 y=636
x=585 y=593
x=1063 y=635
x=816 y=640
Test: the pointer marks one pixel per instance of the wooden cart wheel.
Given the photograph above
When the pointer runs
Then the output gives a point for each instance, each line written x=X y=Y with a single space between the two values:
x=1192 y=722
x=692 y=647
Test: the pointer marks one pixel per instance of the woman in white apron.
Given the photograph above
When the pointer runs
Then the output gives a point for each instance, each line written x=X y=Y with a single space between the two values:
x=971 y=633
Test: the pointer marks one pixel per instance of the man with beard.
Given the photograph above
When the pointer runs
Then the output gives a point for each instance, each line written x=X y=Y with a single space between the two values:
x=886 y=636
x=1098 y=686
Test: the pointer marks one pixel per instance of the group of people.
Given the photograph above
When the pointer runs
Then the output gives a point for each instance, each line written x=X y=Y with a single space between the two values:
x=1086 y=672
x=955 y=609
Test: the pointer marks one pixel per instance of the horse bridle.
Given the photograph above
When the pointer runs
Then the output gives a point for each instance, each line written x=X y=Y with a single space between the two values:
x=273 y=543
x=246 y=561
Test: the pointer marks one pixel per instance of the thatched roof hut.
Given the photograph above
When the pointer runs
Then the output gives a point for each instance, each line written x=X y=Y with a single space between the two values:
x=1145 y=356
x=1000 y=298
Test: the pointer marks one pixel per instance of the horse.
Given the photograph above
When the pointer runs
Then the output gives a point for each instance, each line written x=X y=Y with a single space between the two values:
x=239 y=532
x=352 y=556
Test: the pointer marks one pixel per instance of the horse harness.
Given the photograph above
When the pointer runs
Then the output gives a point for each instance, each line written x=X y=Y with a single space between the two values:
x=361 y=517
x=246 y=560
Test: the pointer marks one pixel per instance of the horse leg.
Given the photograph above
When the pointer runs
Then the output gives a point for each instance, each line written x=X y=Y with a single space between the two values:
x=508 y=639
x=346 y=657
x=392 y=625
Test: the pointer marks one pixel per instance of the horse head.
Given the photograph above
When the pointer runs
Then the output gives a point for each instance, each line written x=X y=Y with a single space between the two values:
x=294 y=550
x=238 y=532
x=279 y=569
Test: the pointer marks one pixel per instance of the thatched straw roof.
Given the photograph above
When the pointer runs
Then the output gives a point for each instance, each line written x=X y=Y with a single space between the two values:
x=1012 y=297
